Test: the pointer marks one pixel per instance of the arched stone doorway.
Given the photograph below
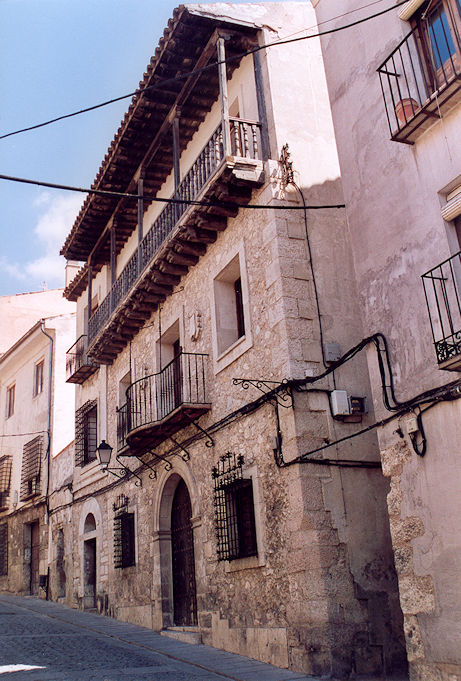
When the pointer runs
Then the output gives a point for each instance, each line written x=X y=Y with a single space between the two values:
x=183 y=558
x=175 y=530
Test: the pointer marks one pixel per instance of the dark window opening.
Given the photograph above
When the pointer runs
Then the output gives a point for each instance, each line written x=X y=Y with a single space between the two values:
x=239 y=307
x=234 y=510
x=124 y=544
x=4 y=549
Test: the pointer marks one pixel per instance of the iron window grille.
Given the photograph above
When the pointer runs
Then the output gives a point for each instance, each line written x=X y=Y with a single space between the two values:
x=31 y=465
x=4 y=549
x=86 y=433
x=38 y=378
x=5 y=480
x=234 y=509
x=124 y=553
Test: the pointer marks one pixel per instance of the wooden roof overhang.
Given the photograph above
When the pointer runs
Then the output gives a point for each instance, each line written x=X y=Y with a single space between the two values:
x=141 y=144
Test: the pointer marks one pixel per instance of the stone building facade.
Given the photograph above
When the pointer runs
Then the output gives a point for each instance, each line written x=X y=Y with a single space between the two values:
x=394 y=85
x=37 y=424
x=207 y=335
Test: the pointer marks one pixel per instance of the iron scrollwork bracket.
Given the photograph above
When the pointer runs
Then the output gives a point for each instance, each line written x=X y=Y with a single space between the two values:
x=159 y=457
x=281 y=394
x=125 y=472
x=152 y=473
x=209 y=440
x=185 y=456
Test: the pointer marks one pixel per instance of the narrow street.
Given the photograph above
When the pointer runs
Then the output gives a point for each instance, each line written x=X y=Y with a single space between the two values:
x=44 y=641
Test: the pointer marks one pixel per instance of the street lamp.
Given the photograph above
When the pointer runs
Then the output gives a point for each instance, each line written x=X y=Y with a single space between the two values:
x=104 y=452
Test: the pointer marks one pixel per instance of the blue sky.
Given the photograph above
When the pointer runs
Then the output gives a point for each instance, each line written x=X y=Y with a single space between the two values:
x=58 y=56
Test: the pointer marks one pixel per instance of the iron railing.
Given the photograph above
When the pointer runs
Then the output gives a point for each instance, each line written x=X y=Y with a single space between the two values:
x=78 y=359
x=442 y=287
x=245 y=137
x=424 y=64
x=152 y=398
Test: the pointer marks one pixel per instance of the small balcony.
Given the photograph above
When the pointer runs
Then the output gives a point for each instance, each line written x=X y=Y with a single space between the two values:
x=79 y=366
x=161 y=404
x=179 y=235
x=421 y=80
x=442 y=289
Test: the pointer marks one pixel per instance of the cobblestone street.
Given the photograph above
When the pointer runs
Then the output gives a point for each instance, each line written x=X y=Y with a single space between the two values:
x=44 y=641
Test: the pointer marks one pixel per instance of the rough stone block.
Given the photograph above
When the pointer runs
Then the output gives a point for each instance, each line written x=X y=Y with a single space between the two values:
x=416 y=594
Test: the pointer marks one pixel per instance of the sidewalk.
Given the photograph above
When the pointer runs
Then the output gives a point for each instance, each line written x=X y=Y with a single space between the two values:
x=207 y=662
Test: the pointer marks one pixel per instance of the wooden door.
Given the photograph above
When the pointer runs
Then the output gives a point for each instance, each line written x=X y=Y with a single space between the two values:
x=89 y=573
x=182 y=549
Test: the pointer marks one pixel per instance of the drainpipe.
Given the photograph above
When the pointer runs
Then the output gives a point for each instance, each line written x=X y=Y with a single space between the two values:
x=48 y=449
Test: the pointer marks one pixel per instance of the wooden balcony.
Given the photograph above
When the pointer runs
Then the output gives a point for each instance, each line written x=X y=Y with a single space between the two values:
x=179 y=236
x=79 y=366
x=161 y=404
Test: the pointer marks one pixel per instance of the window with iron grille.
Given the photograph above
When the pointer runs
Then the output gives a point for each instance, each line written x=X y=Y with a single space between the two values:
x=5 y=480
x=86 y=433
x=38 y=378
x=31 y=464
x=234 y=510
x=124 y=553
x=4 y=549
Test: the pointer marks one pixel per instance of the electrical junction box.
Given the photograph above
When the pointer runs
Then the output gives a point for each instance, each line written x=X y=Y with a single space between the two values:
x=343 y=405
x=412 y=425
x=339 y=403
x=332 y=351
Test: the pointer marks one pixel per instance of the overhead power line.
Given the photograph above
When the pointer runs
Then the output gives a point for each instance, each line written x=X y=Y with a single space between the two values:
x=159 y=85
x=147 y=197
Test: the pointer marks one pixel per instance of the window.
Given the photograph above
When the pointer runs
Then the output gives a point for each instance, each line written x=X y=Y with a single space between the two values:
x=38 y=377
x=4 y=549
x=234 y=510
x=5 y=480
x=86 y=433
x=124 y=555
x=437 y=27
x=31 y=465
x=10 y=393
x=229 y=306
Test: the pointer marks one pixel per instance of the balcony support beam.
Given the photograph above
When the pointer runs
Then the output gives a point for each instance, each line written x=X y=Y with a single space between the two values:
x=224 y=95
x=90 y=287
x=262 y=113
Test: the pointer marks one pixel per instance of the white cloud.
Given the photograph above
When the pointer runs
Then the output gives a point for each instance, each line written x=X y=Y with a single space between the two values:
x=57 y=213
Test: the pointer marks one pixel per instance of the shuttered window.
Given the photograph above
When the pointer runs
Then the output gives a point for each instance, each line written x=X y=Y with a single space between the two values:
x=5 y=480
x=31 y=465
x=86 y=433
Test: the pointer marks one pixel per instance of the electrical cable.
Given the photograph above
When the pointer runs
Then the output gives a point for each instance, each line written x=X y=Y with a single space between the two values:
x=203 y=69
x=311 y=264
x=144 y=197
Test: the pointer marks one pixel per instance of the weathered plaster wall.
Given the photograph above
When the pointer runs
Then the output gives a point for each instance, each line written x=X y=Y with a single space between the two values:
x=393 y=194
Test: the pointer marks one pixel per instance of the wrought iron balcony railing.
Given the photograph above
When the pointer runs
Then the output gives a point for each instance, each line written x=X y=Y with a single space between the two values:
x=78 y=365
x=442 y=287
x=421 y=79
x=244 y=144
x=161 y=404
